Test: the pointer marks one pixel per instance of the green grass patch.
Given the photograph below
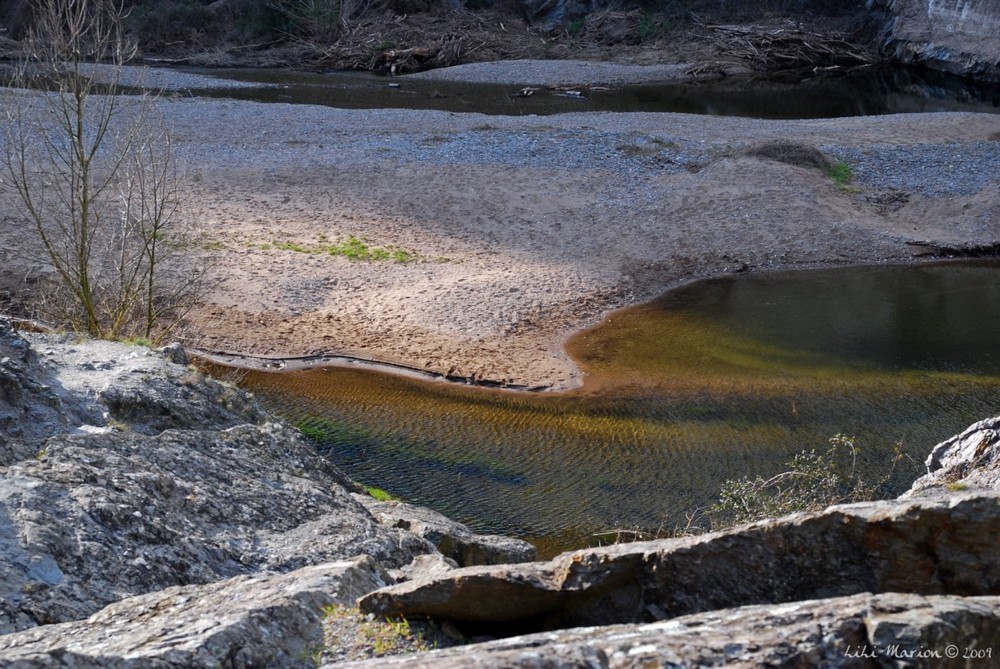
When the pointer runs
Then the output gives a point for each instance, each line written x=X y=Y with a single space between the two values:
x=352 y=248
x=379 y=494
x=138 y=341
x=842 y=175
x=292 y=246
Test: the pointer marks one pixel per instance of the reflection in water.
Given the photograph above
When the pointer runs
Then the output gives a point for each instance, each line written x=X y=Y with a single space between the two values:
x=860 y=92
x=718 y=380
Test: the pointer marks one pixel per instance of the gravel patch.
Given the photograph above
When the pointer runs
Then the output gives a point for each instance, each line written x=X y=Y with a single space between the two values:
x=933 y=170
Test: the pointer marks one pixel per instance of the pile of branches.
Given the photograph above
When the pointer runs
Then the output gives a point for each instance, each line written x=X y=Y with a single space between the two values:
x=400 y=44
x=768 y=48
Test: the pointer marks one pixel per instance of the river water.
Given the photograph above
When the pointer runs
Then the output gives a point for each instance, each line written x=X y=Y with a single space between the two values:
x=721 y=379
x=859 y=92
x=717 y=380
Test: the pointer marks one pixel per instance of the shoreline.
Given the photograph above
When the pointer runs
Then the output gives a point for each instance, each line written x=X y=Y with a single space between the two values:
x=333 y=359
x=523 y=230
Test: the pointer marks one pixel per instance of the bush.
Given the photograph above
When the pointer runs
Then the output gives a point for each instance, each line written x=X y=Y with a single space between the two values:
x=812 y=482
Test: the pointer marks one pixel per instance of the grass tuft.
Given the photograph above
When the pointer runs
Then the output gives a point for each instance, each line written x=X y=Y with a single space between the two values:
x=352 y=248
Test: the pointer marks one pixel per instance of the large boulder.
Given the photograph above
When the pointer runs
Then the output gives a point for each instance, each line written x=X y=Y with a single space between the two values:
x=267 y=621
x=860 y=631
x=958 y=36
x=935 y=546
x=123 y=473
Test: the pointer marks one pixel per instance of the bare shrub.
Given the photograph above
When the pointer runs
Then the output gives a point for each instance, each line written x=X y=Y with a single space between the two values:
x=94 y=173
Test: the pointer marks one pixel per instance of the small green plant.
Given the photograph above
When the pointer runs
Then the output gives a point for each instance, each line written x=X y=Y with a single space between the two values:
x=212 y=245
x=138 y=341
x=291 y=246
x=379 y=494
x=841 y=174
x=312 y=654
x=359 y=637
x=956 y=486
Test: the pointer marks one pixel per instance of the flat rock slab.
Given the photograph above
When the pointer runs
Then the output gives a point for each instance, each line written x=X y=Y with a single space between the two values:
x=271 y=621
x=935 y=546
x=860 y=631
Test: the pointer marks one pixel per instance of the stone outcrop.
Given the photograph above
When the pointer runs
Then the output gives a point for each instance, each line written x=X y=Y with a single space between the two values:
x=966 y=462
x=957 y=36
x=95 y=518
x=934 y=546
x=249 y=621
x=860 y=631
x=150 y=517
x=108 y=491
x=59 y=384
x=451 y=539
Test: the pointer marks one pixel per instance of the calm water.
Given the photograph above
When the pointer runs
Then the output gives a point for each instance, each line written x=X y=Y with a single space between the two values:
x=861 y=92
x=720 y=379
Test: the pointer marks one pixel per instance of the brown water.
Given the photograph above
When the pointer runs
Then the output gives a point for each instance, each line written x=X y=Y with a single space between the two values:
x=720 y=379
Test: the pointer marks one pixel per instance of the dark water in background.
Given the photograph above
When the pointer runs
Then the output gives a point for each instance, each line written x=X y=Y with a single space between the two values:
x=720 y=379
x=860 y=92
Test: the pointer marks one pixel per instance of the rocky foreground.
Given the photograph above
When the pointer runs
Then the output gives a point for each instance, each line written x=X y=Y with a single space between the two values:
x=152 y=517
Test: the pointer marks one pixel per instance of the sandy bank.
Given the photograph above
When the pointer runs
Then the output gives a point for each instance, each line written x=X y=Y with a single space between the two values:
x=522 y=230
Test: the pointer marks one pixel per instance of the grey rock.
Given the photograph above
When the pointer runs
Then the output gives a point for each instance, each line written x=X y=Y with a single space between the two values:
x=453 y=540
x=930 y=546
x=100 y=517
x=864 y=630
x=175 y=353
x=266 y=621
x=966 y=462
x=427 y=566
x=55 y=384
x=957 y=36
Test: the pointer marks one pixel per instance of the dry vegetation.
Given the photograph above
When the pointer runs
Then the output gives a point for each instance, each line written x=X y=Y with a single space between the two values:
x=408 y=35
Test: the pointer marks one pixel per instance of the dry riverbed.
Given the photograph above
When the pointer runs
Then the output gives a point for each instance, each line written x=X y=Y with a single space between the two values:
x=504 y=235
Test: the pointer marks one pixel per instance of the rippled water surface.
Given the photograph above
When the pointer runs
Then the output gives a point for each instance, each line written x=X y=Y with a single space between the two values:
x=720 y=379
